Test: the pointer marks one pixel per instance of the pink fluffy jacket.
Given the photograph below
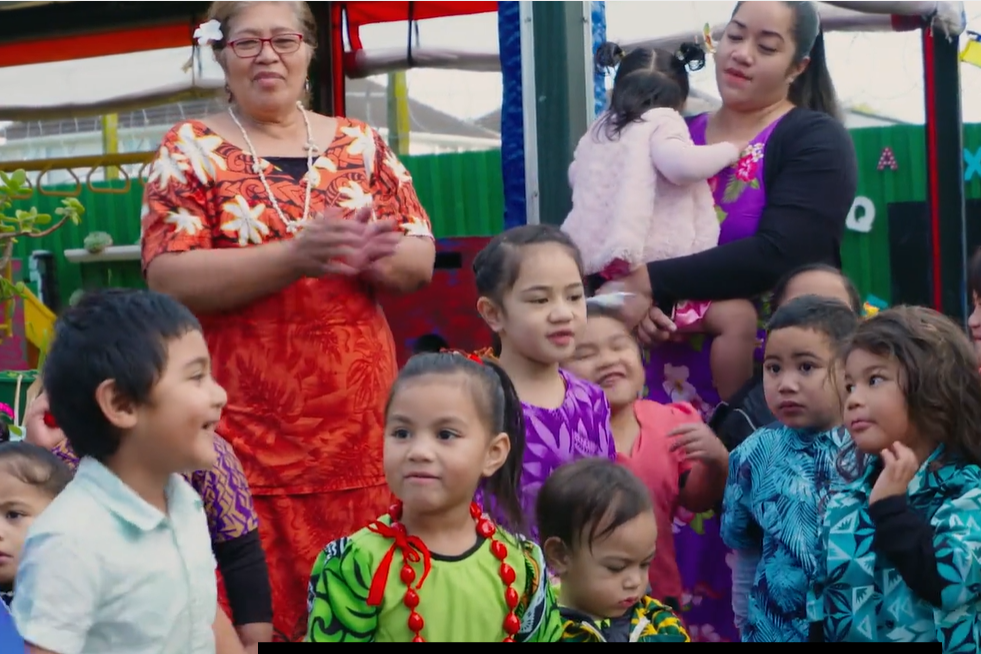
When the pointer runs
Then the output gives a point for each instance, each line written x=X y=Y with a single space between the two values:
x=644 y=196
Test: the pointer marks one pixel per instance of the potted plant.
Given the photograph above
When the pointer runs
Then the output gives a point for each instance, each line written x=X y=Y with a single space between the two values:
x=25 y=224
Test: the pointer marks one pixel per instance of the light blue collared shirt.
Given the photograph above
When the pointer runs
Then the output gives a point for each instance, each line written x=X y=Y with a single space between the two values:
x=104 y=572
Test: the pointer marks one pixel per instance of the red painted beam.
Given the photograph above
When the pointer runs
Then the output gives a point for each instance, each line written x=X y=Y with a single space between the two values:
x=100 y=44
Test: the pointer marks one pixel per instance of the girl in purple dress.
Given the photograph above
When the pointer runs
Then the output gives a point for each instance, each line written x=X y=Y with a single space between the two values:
x=529 y=284
x=783 y=205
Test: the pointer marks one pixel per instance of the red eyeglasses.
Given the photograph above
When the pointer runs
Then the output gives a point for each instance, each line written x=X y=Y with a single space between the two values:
x=251 y=46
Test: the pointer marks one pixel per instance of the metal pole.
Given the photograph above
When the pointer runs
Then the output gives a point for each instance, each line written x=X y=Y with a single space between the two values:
x=564 y=101
x=398 y=113
x=945 y=172
x=110 y=142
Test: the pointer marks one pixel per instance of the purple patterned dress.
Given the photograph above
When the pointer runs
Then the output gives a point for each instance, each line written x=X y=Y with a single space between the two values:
x=578 y=429
x=680 y=372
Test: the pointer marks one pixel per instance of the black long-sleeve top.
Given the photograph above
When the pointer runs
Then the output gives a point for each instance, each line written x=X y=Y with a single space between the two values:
x=810 y=177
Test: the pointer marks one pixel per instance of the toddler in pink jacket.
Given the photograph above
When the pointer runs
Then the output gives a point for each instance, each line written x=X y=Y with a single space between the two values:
x=640 y=193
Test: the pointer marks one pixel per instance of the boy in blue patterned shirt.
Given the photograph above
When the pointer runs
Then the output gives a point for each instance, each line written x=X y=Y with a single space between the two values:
x=780 y=476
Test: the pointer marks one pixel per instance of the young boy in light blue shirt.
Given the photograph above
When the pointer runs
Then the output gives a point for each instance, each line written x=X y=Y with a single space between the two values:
x=121 y=561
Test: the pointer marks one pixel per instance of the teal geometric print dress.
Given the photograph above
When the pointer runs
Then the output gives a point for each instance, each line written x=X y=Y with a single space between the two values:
x=907 y=569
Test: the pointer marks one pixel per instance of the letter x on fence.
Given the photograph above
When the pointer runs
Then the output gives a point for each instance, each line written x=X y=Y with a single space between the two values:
x=972 y=164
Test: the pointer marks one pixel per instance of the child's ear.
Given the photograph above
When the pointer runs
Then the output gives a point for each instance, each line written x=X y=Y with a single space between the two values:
x=497 y=454
x=491 y=313
x=119 y=410
x=556 y=555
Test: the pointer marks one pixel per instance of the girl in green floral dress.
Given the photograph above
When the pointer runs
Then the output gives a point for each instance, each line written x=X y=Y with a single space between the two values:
x=900 y=556
x=437 y=568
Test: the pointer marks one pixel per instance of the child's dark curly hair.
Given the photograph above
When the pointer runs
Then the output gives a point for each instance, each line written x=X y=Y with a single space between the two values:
x=938 y=374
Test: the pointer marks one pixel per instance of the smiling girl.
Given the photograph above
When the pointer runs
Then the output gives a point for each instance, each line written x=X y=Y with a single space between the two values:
x=668 y=446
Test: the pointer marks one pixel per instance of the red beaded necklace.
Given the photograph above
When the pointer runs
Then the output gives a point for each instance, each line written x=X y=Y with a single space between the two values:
x=413 y=550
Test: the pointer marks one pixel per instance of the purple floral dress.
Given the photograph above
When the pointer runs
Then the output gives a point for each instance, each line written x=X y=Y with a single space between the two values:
x=578 y=429
x=680 y=372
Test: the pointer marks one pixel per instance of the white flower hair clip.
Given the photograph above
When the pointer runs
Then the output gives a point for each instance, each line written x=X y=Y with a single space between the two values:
x=205 y=34
x=208 y=33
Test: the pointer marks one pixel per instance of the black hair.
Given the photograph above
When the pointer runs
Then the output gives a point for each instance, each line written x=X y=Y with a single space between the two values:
x=780 y=290
x=813 y=88
x=820 y=314
x=646 y=79
x=117 y=334
x=974 y=274
x=35 y=466
x=584 y=501
x=429 y=343
x=496 y=268
x=499 y=406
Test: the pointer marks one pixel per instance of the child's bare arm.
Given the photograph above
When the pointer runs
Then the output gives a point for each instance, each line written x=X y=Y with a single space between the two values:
x=226 y=640
x=703 y=485
x=31 y=649
x=683 y=163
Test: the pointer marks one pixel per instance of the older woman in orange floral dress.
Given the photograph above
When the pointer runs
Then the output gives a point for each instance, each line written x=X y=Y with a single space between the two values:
x=279 y=227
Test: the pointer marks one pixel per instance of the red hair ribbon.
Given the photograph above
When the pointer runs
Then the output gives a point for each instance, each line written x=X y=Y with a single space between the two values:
x=473 y=356
x=413 y=550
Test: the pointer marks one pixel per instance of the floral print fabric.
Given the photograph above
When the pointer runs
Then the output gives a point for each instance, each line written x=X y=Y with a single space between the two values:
x=308 y=368
x=680 y=372
x=779 y=481
x=579 y=428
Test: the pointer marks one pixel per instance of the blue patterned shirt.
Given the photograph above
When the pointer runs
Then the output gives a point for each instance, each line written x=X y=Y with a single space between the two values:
x=779 y=480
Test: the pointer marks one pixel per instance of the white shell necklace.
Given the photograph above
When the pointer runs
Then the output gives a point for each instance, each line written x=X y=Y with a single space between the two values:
x=292 y=226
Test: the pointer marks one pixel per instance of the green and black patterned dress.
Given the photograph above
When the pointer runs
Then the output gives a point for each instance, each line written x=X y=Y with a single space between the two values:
x=648 y=621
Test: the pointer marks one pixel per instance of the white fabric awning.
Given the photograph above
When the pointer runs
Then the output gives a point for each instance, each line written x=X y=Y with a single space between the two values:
x=92 y=87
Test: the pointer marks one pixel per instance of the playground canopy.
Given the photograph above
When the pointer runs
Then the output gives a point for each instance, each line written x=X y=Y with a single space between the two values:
x=143 y=47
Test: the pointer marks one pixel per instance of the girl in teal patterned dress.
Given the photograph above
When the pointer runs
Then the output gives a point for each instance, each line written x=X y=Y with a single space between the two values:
x=452 y=422
x=900 y=557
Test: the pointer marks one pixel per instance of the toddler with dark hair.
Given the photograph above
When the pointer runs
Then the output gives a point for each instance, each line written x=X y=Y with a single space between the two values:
x=597 y=527
x=121 y=561
x=30 y=479
x=641 y=193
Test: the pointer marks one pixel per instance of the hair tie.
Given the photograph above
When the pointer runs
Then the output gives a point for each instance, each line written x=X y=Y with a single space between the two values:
x=473 y=356
x=690 y=56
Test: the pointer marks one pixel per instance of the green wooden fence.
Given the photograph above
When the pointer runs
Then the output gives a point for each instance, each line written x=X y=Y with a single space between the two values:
x=463 y=194
x=866 y=254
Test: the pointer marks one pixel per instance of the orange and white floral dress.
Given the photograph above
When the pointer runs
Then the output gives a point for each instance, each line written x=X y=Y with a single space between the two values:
x=307 y=369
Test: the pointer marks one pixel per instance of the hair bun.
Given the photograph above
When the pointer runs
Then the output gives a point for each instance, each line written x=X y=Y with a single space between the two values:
x=608 y=55
x=691 y=56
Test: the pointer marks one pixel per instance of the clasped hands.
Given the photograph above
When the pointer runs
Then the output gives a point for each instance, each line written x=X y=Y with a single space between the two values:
x=639 y=312
x=331 y=244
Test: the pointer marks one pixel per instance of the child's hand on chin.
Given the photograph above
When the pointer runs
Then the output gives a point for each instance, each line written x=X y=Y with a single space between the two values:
x=900 y=465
